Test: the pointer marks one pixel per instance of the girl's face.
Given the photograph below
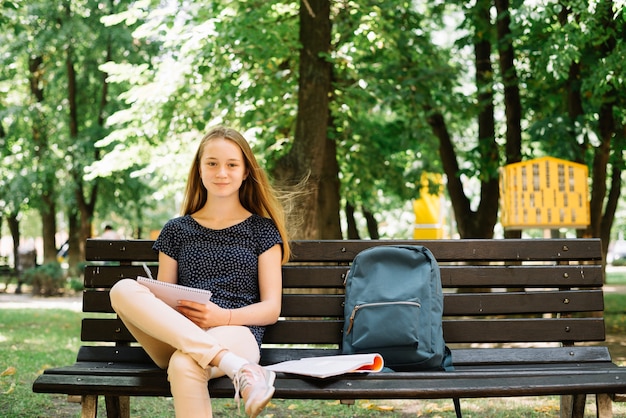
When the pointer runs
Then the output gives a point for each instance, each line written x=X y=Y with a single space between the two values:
x=222 y=168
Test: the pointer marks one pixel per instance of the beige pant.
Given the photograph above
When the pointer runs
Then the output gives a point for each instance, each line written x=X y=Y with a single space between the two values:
x=176 y=343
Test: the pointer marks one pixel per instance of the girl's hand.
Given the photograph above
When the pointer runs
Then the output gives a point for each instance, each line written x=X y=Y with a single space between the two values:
x=204 y=315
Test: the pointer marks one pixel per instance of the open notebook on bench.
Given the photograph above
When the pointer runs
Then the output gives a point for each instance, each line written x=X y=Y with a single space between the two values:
x=328 y=366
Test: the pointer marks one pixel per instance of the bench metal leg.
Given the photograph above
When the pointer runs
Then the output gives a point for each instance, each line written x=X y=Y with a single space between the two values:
x=604 y=405
x=457 y=407
x=117 y=406
x=578 y=407
x=89 y=406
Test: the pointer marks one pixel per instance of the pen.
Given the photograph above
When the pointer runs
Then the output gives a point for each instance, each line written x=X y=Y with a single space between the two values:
x=147 y=270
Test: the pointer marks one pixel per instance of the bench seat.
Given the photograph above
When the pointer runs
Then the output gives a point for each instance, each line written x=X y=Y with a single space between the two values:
x=478 y=373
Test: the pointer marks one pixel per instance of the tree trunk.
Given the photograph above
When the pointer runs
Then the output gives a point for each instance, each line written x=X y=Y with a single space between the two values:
x=353 y=231
x=45 y=175
x=74 y=255
x=305 y=159
x=14 y=227
x=480 y=224
x=611 y=204
x=49 y=228
x=85 y=199
x=372 y=224
x=76 y=250
x=599 y=170
x=512 y=101
x=458 y=199
x=328 y=198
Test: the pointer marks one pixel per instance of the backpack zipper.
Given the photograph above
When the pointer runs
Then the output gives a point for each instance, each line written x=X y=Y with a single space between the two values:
x=357 y=307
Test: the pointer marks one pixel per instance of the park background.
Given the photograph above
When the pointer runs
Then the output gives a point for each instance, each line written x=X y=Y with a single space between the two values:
x=102 y=104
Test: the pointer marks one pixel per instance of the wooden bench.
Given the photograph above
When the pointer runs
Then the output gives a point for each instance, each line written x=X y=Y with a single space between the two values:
x=517 y=315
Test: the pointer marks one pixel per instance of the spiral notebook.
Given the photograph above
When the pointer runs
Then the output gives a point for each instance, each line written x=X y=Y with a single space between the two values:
x=171 y=293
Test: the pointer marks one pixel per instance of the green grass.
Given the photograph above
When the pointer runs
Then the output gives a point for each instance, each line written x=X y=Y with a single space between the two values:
x=615 y=313
x=31 y=340
x=616 y=277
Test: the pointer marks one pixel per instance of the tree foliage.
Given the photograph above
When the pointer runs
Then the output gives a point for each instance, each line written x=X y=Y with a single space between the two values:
x=55 y=110
x=103 y=102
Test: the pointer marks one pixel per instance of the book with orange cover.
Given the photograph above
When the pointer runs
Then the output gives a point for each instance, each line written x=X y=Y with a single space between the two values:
x=328 y=366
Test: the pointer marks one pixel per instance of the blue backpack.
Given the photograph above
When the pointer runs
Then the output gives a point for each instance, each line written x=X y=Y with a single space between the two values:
x=393 y=306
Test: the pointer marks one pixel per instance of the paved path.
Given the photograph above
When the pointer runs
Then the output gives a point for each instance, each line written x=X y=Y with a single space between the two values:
x=614 y=288
x=28 y=301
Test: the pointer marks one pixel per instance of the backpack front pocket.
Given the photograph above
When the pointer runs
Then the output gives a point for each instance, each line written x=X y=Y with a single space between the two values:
x=384 y=324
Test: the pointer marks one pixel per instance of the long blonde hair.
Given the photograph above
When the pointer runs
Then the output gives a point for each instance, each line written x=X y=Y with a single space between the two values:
x=256 y=193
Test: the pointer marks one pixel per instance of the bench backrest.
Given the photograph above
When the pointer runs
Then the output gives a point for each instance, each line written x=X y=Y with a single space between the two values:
x=496 y=291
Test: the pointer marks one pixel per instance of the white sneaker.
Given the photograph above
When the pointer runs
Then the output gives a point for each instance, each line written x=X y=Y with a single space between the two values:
x=256 y=386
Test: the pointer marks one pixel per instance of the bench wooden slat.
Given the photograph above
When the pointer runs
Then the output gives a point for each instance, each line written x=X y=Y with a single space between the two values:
x=477 y=357
x=453 y=250
x=535 y=355
x=295 y=332
x=104 y=329
x=136 y=354
x=505 y=303
x=524 y=330
x=470 y=304
x=462 y=357
x=323 y=276
x=520 y=369
x=424 y=385
x=338 y=251
x=451 y=276
x=97 y=353
x=316 y=305
x=121 y=250
x=152 y=383
x=455 y=331
x=522 y=276
x=455 y=384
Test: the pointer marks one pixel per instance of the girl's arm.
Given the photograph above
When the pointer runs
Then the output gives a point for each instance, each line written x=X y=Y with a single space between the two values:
x=266 y=311
x=168 y=269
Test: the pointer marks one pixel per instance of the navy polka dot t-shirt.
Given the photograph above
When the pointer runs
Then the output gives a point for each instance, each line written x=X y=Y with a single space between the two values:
x=224 y=261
